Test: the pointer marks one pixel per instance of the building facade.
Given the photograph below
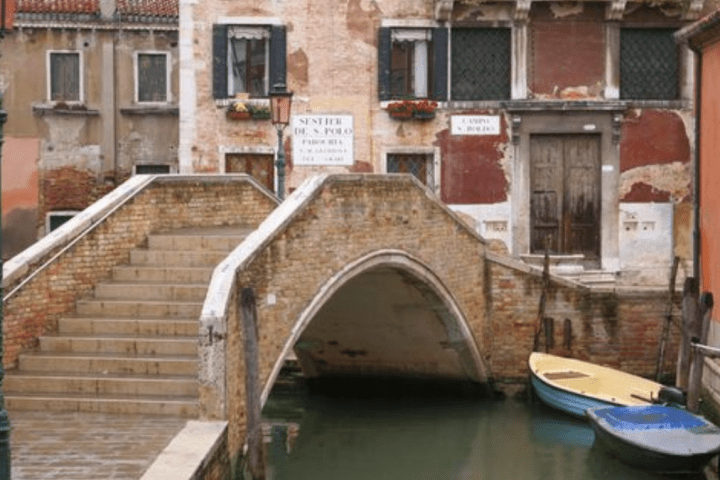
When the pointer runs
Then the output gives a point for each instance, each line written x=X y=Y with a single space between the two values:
x=91 y=89
x=565 y=126
x=704 y=38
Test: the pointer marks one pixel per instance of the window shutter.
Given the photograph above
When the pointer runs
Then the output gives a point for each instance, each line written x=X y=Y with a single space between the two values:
x=384 y=45
x=220 y=72
x=440 y=57
x=278 y=55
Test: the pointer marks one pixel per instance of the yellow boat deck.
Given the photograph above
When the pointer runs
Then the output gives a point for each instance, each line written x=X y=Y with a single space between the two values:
x=592 y=380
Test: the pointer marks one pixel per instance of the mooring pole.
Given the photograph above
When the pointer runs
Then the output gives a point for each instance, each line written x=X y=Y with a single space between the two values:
x=696 y=368
x=252 y=383
x=4 y=420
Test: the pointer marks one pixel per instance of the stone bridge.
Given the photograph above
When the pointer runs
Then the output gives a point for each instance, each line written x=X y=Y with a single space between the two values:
x=362 y=274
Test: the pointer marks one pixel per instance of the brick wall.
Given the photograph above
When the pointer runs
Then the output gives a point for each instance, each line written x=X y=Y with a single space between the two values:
x=348 y=217
x=169 y=202
x=620 y=329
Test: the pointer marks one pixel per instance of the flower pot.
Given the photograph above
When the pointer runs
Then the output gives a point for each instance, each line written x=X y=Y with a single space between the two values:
x=424 y=115
x=232 y=115
x=401 y=115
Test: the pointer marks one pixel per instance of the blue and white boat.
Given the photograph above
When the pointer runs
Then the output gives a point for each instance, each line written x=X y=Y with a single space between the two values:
x=656 y=437
x=573 y=386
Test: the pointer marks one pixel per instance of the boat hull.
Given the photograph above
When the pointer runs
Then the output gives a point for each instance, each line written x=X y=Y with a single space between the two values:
x=655 y=438
x=568 y=402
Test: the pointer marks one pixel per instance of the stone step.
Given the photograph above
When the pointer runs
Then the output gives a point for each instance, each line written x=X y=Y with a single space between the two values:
x=165 y=275
x=127 y=345
x=129 y=405
x=128 y=326
x=107 y=364
x=139 y=291
x=177 y=258
x=39 y=383
x=197 y=240
x=139 y=309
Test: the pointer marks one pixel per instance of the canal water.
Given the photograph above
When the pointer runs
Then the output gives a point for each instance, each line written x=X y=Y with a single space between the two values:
x=428 y=437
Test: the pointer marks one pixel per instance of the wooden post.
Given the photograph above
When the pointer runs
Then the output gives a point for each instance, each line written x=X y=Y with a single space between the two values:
x=543 y=300
x=696 y=368
x=668 y=320
x=690 y=328
x=252 y=384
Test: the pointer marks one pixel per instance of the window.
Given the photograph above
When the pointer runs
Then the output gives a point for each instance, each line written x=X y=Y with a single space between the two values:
x=648 y=64
x=258 y=165
x=55 y=220
x=152 y=83
x=412 y=63
x=151 y=168
x=418 y=164
x=247 y=59
x=65 y=81
x=480 y=64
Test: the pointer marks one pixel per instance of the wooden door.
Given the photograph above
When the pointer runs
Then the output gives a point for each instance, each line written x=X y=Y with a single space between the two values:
x=565 y=198
x=258 y=166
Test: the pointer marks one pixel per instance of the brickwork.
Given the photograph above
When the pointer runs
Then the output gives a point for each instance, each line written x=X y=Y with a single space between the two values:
x=168 y=203
x=618 y=329
x=351 y=216
x=68 y=188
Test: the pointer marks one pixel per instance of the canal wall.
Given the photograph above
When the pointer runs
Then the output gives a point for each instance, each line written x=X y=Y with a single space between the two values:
x=618 y=327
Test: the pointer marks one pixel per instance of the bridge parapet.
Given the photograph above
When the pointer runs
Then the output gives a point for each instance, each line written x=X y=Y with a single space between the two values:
x=43 y=282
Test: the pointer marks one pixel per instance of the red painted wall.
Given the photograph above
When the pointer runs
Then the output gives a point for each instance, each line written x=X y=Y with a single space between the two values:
x=567 y=54
x=471 y=170
x=710 y=174
x=652 y=137
x=19 y=194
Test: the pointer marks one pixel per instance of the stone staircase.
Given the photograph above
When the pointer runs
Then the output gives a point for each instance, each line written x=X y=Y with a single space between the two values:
x=132 y=347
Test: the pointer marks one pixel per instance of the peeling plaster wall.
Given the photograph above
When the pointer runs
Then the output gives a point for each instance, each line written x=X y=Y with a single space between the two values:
x=333 y=69
x=102 y=139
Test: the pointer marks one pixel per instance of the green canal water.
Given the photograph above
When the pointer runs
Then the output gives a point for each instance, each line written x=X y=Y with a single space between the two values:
x=412 y=436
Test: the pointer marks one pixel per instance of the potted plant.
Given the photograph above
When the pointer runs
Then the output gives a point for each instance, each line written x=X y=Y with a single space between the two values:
x=401 y=110
x=238 y=111
x=259 y=112
x=424 y=109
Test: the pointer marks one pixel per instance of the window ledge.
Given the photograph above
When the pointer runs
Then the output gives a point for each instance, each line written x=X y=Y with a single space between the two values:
x=255 y=102
x=151 y=110
x=70 y=109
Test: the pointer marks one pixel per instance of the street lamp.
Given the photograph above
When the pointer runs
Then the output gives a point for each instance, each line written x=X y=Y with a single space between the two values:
x=280 y=101
x=4 y=420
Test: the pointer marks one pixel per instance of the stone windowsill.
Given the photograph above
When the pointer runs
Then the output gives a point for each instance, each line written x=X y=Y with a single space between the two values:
x=79 y=109
x=151 y=110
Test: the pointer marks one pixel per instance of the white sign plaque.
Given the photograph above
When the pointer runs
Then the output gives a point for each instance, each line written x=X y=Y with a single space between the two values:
x=475 y=124
x=323 y=139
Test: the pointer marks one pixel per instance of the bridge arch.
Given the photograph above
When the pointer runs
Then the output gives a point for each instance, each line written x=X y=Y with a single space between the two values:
x=457 y=354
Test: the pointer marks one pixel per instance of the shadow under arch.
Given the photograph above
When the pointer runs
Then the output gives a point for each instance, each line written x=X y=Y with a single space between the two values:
x=460 y=342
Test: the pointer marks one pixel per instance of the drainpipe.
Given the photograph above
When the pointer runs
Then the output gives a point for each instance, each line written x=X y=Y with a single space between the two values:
x=696 y=160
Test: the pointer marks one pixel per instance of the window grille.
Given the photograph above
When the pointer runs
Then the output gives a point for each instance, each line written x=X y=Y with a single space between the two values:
x=480 y=64
x=419 y=165
x=648 y=64
x=65 y=77
x=152 y=77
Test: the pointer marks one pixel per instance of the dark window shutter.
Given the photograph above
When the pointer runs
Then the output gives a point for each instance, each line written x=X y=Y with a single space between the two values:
x=440 y=57
x=278 y=55
x=384 y=46
x=220 y=72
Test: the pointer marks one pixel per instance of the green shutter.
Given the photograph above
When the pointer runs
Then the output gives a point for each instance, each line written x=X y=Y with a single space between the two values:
x=440 y=69
x=384 y=45
x=278 y=55
x=220 y=72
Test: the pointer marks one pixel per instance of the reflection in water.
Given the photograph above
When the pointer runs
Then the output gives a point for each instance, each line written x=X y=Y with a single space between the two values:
x=401 y=438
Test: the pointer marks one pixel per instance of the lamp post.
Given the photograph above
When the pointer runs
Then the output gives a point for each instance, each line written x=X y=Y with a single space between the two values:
x=280 y=102
x=4 y=420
